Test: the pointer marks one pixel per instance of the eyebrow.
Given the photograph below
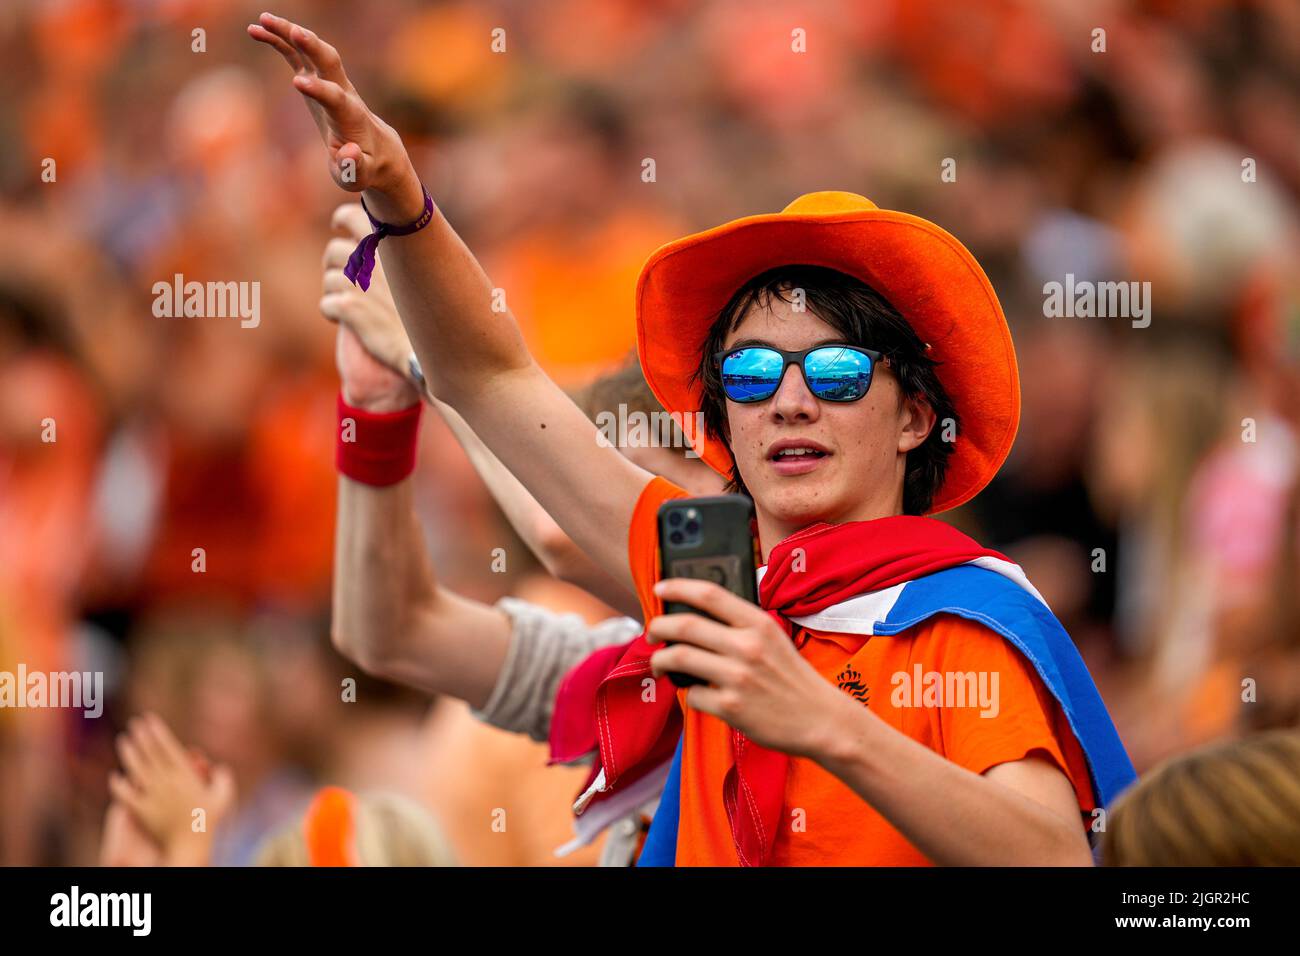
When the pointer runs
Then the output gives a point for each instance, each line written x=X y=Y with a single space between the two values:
x=750 y=343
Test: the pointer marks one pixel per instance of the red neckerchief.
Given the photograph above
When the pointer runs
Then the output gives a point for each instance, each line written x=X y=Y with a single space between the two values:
x=600 y=704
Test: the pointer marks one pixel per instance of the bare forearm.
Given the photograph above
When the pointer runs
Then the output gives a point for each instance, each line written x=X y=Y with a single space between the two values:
x=953 y=816
x=476 y=361
x=381 y=576
x=446 y=301
x=391 y=617
x=521 y=509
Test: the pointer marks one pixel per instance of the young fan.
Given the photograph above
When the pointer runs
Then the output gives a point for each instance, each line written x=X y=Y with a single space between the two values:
x=856 y=373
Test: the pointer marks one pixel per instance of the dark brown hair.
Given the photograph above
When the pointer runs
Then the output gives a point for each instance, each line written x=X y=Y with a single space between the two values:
x=863 y=317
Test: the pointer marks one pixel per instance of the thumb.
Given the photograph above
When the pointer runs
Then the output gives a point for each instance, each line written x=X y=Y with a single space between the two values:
x=351 y=168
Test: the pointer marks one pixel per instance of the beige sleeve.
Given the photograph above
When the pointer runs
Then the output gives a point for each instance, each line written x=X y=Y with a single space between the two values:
x=544 y=646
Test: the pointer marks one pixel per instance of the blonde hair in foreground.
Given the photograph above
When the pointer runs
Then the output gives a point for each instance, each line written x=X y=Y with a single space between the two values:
x=391 y=830
x=1233 y=804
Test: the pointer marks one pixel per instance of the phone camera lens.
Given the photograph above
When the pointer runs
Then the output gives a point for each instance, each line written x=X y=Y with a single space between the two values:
x=674 y=518
x=692 y=527
x=676 y=537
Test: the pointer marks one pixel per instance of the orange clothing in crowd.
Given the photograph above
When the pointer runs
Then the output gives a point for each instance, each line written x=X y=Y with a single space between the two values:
x=571 y=290
x=261 y=507
x=827 y=822
x=50 y=435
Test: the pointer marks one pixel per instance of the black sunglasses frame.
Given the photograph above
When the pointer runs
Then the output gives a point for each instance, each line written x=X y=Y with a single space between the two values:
x=798 y=358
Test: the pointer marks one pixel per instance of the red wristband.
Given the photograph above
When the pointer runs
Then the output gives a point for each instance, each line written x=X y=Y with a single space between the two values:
x=377 y=448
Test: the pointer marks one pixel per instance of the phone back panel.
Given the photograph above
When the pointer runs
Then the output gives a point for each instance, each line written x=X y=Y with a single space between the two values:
x=721 y=549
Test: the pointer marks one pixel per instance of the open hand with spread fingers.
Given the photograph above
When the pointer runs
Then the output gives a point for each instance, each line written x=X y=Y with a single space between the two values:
x=365 y=153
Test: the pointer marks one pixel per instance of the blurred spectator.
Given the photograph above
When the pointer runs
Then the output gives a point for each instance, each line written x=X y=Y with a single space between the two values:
x=1232 y=804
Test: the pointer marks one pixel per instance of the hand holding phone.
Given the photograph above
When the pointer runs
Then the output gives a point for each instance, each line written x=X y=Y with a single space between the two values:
x=710 y=539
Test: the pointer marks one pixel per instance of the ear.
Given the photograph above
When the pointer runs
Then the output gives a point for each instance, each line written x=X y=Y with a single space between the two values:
x=916 y=420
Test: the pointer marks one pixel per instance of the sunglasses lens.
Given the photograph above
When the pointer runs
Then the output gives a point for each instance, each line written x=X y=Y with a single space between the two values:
x=838 y=374
x=751 y=375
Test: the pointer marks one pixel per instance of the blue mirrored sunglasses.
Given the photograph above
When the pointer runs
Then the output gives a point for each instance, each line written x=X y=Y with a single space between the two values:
x=834 y=373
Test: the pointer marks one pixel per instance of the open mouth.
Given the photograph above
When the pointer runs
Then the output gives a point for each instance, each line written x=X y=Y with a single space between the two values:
x=794 y=454
x=796 y=458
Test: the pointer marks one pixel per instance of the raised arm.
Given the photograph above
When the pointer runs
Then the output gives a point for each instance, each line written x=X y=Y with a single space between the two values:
x=394 y=619
x=390 y=614
x=372 y=316
x=474 y=357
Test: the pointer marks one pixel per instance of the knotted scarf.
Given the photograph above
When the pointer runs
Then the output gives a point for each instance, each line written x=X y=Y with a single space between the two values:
x=602 y=705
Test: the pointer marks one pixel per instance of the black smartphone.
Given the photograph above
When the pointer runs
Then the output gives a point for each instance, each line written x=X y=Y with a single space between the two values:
x=712 y=539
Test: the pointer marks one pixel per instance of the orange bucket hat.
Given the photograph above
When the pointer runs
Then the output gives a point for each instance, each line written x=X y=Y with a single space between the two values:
x=928 y=276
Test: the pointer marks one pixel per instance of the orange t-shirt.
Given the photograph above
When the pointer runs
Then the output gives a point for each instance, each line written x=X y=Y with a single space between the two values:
x=825 y=822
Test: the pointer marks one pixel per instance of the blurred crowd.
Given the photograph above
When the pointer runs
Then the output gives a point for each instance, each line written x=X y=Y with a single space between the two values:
x=176 y=534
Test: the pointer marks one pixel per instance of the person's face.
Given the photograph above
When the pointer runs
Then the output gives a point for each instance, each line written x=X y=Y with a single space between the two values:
x=857 y=450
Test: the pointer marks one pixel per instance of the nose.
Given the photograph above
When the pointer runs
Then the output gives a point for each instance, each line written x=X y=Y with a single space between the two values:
x=793 y=401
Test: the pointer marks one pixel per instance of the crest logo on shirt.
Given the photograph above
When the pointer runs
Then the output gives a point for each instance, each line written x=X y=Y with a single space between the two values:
x=850 y=681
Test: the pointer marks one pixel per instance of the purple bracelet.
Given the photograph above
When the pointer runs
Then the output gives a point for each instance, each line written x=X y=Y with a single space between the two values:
x=362 y=261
